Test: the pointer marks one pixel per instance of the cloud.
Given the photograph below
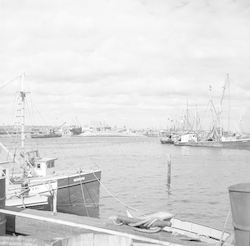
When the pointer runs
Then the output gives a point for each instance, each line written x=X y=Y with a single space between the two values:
x=135 y=58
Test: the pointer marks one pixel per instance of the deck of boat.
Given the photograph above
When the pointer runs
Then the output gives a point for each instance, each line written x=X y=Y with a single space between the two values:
x=45 y=226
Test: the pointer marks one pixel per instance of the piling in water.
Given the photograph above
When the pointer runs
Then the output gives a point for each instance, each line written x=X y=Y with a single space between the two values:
x=169 y=171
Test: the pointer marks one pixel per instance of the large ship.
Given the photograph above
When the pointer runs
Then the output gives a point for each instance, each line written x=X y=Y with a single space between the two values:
x=75 y=130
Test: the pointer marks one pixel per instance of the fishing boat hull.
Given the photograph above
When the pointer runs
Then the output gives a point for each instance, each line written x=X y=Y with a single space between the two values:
x=230 y=144
x=200 y=144
x=166 y=141
x=75 y=194
x=79 y=194
x=75 y=130
x=54 y=135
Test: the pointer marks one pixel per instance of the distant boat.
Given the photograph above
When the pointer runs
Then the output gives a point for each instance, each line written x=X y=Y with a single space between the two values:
x=75 y=130
x=36 y=184
x=229 y=142
x=167 y=140
x=216 y=137
x=52 y=133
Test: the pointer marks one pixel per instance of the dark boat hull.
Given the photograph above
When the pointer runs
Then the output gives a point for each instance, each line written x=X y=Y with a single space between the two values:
x=79 y=194
x=55 y=135
x=76 y=194
x=166 y=141
x=76 y=130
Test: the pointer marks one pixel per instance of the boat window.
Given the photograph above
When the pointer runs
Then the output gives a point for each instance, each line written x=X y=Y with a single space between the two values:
x=38 y=166
x=52 y=163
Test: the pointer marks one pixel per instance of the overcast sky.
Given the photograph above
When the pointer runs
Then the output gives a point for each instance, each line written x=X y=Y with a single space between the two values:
x=135 y=62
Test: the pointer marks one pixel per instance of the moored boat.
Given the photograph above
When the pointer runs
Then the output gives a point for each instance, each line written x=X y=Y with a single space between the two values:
x=75 y=130
x=230 y=143
x=216 y=138
x=167 y=140
x=36 y=183
x=50 y=134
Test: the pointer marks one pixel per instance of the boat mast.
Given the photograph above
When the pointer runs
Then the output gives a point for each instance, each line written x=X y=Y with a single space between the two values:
x=228 y=102
x=213 y=107
x=187 y=117
x=221 y=101
x=22 y=95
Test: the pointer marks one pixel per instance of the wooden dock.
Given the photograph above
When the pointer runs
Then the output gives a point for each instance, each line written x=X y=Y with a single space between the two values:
x=56 y=229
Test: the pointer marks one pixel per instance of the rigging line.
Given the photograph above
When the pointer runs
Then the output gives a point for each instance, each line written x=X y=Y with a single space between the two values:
x=29 y=113
x=205 y=112
x=8 y=82
x=13 y=108
x=83 y=194
x=118 y=200
x=39 y=113
x=93 y=161
x=30 y=99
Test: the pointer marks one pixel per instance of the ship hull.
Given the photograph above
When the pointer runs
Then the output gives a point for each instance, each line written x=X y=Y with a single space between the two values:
x=75 y=130
x=79 y=194
x=75 y=194
x=46 y=135
x=231 y=144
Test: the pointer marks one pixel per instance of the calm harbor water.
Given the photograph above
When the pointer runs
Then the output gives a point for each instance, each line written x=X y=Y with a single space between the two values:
x=134 y=172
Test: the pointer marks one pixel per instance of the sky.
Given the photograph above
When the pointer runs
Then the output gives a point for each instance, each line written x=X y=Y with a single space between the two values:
x=133 y=63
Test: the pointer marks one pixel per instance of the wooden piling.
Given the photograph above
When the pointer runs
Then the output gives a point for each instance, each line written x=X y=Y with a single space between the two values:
x=169 y=171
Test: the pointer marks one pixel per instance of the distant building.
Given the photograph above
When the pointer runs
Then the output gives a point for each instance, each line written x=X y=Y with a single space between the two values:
x=99 y=126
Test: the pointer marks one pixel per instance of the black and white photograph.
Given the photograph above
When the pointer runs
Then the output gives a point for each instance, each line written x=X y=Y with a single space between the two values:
x=125 y=122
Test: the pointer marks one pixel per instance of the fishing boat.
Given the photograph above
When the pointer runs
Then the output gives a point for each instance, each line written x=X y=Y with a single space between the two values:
x=51 y=133
x=216 y=138
x=223 y=142
x=167 y=140
x=37 y=184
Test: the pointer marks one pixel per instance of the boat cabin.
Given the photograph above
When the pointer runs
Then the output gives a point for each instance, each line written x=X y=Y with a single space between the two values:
x=40 y=166
x=44 y=166
x=190 y=137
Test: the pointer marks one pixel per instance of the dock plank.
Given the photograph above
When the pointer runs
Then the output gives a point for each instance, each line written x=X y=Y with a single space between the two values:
x=52 y=231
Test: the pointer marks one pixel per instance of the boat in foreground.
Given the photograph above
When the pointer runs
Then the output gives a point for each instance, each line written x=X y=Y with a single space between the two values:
x=35 y=183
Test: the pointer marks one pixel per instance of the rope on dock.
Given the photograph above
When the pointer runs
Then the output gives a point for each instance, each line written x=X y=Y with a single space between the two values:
x=148 y=225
